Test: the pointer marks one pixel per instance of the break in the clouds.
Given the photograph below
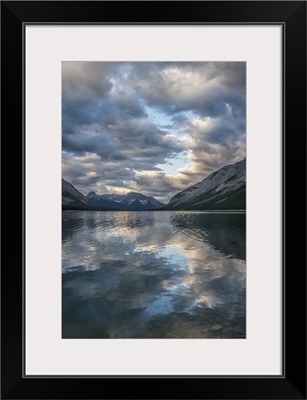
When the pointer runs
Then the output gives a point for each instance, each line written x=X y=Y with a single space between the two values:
x=150 y=127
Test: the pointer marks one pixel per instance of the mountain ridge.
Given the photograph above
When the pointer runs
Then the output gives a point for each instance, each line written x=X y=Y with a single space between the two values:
x=224 y=189
x=72 y=199
x=132 y=201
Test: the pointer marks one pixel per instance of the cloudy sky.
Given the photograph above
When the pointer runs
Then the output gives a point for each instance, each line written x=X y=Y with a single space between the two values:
x=150 y=127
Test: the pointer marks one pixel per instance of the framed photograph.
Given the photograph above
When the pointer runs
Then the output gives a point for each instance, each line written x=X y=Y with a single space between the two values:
x=161 y=181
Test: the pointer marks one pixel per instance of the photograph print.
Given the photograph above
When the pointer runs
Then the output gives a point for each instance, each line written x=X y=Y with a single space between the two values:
x=153 y=200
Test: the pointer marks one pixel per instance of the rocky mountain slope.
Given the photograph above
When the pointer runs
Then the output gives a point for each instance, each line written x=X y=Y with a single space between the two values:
x=224 y=189
x=72 y=198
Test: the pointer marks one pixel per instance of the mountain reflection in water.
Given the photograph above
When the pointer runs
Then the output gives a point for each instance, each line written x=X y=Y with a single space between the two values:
x=153 y=274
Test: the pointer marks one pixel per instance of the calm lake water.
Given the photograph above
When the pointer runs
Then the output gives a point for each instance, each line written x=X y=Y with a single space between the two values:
x=156 y=274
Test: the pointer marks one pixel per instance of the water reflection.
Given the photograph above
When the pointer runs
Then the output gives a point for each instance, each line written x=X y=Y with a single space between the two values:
x=153 y=274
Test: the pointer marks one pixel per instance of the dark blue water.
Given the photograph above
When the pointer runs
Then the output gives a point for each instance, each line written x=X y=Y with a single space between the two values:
x=153 y=275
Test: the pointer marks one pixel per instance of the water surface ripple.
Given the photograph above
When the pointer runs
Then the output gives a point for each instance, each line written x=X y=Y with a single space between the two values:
x=153 y=274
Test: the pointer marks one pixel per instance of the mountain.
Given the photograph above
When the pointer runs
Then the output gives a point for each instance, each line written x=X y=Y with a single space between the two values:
x=224 y=189
x=129 y=202
x=148 y=202
x=113 y=197
x=95 y=200
x=72 y=198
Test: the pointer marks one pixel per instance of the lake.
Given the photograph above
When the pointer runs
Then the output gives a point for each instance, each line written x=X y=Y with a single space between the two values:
x=161 y=274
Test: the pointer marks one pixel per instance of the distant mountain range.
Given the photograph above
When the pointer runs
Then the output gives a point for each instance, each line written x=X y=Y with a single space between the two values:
x=224 y=189
x=72 y=199
x=129 y=202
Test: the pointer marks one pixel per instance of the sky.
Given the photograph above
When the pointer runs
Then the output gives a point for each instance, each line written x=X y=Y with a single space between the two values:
x=150 y=127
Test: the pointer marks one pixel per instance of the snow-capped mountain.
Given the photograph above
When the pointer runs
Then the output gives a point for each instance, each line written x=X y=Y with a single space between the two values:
x=146 y=201
x=113 y=197
x=71 y=197
x=224 y=189
x=130 y=201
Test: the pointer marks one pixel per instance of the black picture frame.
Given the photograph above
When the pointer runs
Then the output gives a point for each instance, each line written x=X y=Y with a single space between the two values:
x=292 y=16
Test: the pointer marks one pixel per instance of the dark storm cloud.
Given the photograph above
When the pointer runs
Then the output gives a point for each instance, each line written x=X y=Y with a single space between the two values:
x=133 y=140
x=123 y=123
x=77 y=114
x=86 y=80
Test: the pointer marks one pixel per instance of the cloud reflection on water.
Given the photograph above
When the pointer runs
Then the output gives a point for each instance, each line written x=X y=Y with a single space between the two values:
x=153 y=274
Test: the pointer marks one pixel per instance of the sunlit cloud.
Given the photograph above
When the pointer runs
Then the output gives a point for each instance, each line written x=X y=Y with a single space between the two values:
x=150 y=127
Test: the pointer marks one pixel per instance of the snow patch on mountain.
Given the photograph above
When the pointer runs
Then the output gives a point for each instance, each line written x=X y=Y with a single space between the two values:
x=131 y=200
x=113 y=197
